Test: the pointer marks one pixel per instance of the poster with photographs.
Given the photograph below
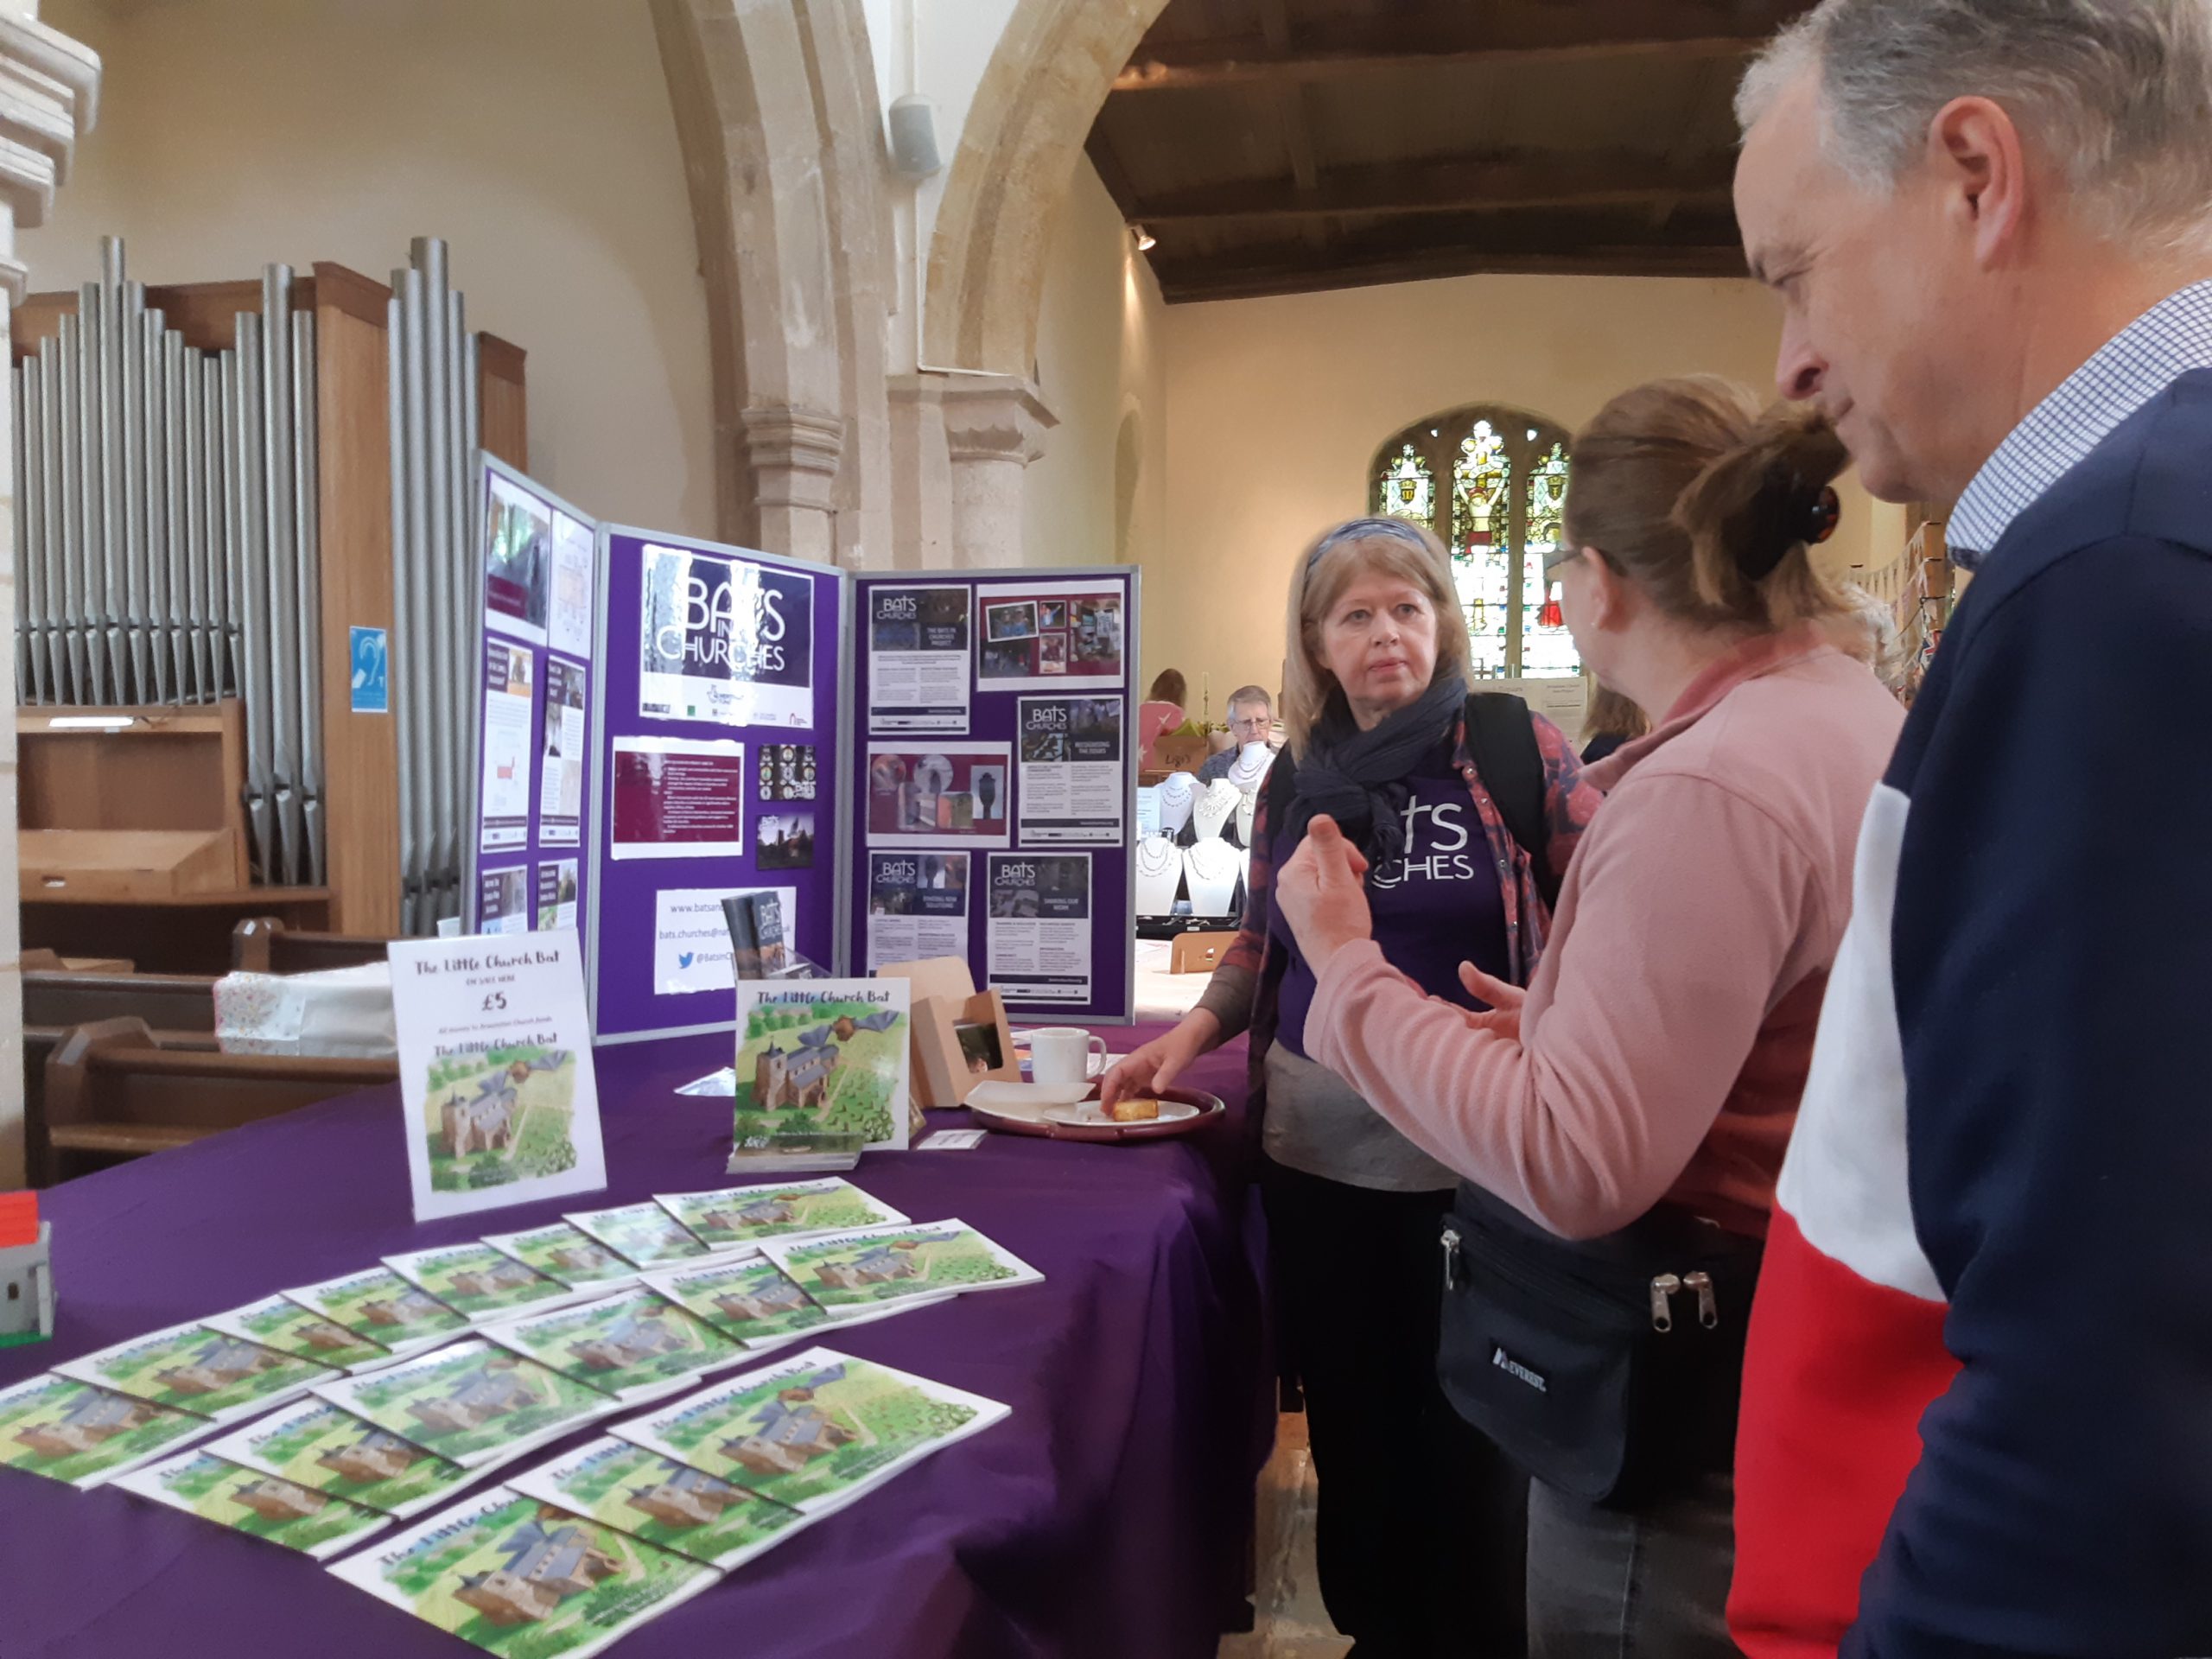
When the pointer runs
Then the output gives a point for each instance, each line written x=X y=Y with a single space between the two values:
x=726 y=640
x=1057 y=636
x=919 y=658
x=1038 y=937
x=504 y=804
x=517 y=562
x=1073 y=785
x=503 y=900
x=576 y=552
x=678 y=797
x=783 y=838
x=786 y=771
x=561 y=760
x=557 y=894
x=916 y=906
x=955 y=796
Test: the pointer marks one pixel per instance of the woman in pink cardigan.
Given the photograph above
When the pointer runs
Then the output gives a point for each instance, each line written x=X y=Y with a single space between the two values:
x=1638 y=1096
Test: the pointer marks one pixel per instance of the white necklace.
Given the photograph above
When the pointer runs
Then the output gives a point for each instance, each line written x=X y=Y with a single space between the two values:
x=1215 y=807
x=1175 y=802
x=1154 y=854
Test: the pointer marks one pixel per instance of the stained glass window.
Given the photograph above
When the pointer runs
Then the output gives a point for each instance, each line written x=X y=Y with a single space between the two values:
x=1409 y=487
x=1547 y=648
x=1482 y=479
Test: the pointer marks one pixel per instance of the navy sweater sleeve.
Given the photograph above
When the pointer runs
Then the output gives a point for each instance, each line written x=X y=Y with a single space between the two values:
x=2053 y=952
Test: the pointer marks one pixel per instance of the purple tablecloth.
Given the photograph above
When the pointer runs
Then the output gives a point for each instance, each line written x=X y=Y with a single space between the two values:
x=1110 y=1515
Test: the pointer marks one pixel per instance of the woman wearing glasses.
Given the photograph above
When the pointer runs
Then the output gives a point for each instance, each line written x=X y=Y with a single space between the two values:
x=1421 y=1520
x=1638 y=1098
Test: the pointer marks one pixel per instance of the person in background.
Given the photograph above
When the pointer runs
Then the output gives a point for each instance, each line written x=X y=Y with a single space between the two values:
x=1421 y=1519
x=1251 y=717
x=1161 y=711
x=1611 y=720
x=1975 y=1411
x=1637 y=1100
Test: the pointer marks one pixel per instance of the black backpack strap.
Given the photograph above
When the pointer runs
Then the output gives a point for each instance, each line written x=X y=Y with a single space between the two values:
x=1502 y=742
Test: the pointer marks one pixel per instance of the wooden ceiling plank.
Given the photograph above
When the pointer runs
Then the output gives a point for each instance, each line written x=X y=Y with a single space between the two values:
x=1189 y=280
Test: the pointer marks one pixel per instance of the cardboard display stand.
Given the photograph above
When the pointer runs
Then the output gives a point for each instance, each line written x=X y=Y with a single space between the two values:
x=946 y=1004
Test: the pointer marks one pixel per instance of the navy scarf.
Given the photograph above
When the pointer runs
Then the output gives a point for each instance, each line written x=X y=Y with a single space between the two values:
x=1359 y=778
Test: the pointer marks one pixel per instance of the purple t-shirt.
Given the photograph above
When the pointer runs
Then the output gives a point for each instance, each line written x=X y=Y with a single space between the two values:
x=1438 y=906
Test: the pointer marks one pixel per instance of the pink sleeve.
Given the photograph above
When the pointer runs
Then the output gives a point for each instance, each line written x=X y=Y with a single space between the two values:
x=1682 y=911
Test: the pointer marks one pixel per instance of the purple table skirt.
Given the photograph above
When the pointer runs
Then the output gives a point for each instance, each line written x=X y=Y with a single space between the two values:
x=1110 y=1515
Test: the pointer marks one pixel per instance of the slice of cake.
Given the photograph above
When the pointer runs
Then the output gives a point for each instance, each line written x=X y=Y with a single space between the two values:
x=1134 y=1109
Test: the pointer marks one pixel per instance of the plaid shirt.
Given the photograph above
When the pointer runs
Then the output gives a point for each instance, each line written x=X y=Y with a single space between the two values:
x=2168 y=340
x=1570 y=802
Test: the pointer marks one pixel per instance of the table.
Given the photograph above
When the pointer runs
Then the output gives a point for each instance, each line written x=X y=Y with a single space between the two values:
x=1111 y=1516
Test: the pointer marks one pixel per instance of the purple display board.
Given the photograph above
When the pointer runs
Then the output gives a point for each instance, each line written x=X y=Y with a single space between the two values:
x=528 y=868
x=719 y=720
x=992 y=779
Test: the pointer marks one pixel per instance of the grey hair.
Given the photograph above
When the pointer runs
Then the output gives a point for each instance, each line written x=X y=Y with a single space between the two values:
x=2118 y=92
x=1249 y=694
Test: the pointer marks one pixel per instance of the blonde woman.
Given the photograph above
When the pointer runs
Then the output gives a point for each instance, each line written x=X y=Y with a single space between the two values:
x=1421 y=1520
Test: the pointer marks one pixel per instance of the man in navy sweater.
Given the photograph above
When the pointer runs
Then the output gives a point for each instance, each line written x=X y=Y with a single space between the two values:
x=1978 y=1410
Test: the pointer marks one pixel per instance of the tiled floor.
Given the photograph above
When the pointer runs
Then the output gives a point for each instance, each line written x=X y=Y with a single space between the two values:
x=1292 y=1624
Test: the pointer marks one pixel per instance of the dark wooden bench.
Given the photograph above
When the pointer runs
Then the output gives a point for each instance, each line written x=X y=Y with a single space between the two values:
x=263 y=944
x=179 y=1008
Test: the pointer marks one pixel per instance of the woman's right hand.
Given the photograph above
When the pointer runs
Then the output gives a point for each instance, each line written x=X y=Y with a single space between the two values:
x=1148 y=1069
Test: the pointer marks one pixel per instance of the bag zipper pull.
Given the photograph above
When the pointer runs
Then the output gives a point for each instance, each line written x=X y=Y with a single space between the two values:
x=1708 y=1305
x=1451 y=1258
x=1662 y=1312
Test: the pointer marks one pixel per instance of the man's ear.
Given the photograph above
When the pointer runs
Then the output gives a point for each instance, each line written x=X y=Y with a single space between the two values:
x=1981 y=166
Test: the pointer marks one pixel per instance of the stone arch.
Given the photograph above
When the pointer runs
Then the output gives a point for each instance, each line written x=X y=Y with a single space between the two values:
x=783 y=155
x=1045 y=84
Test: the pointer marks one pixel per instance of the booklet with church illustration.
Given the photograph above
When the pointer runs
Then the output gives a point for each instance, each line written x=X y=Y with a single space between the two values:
x=327 y=1449
x=752 y=1298
x=821 y=1073
x=259 y=1504
x=196 y=1369
x=886 y=1264
x=643 y=1233
x=524 y=1579
x=635 y=1344
x=814 y=1431
x=378 y=1304
x=279 y=1322
x=479 y=1281
x=495 y=1071
x=663 y=1502
x=564 y=1251
x=471 y=1403
x=739 y=1216
x=83 y=1436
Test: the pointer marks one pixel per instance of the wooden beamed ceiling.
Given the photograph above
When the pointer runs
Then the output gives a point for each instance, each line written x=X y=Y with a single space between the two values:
x=1277 y=146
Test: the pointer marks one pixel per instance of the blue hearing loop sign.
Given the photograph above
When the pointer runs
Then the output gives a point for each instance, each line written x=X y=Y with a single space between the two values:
x=372 y=674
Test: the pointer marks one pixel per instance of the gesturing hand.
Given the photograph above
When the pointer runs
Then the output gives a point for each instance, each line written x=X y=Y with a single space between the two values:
x=1323 y=893
x=1503 y=1019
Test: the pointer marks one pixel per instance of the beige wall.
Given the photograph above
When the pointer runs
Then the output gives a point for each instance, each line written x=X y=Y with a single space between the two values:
x=1097 y=495
x=534 y=134
x=1276 y=406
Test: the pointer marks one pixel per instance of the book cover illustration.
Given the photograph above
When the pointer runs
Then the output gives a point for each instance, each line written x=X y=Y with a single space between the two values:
x=524 y=1579
x=636 y=1344
x=821 y=1071
x=643 y=1233
x=471 y=1402
x=663 y=1502
x=316 y=1445
x=259 y=1504
x=884 y=1264
x=566 y=1253
x=478 y=1281
x=280 y=1323
x=746 y=1215
x=378 y=1304
x=753 y=1300
x=814 y=1431
x=83 y=1436
x=758 y=949
x=500 y=1115
x=195 y=1368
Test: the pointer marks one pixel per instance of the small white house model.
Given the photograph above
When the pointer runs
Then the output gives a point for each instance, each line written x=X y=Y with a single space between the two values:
x=27 y=1289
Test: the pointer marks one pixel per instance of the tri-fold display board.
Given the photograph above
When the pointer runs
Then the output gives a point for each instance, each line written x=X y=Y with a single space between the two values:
x=913 y=764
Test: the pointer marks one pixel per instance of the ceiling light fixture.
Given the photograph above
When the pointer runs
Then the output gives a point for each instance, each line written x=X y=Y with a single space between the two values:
x=1146 y=240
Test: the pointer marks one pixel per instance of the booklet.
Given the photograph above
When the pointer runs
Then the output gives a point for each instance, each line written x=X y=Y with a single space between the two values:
x=814 y=1431
x=495 y=1071
x=378 y=1304
x=562 y=1252
x=280 y=1323
x=882 y=1264
x=753 y=1300
x=201 y=1371
x=315 y=1445
x=821 y=1072
x=663 y=1502
x=470 y=1403
x=745 y=1215
x=248 y=1500
x=636 y=1344
x=643 y=1233
x=478 y=1281
x=525 y=1580
x=83 y=1436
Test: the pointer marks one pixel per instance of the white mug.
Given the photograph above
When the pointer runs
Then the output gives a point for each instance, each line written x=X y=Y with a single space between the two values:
x=1059 y=1055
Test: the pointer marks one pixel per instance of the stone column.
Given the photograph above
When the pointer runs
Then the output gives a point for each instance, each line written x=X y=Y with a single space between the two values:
x=994 y=429
x=49 y=91
x=793 y=454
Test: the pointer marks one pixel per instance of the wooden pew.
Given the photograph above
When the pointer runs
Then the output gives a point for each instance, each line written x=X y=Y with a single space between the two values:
x=115 y=1089
x=179 y=1008
x=263 y=944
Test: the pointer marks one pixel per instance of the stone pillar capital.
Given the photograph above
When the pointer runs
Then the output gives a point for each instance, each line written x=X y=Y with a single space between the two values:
x=995 y=418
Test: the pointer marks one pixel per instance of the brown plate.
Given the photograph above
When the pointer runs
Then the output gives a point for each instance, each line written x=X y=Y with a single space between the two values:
x=1209 y=1110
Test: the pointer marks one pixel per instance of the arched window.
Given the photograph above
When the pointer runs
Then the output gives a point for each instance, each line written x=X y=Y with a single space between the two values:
x=1492 y=482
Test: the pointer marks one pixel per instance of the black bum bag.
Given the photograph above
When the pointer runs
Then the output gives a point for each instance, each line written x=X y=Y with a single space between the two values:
x=1609 y=1369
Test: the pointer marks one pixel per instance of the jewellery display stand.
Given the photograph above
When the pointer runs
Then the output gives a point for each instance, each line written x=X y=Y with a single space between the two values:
x=1211 y=867
x=1159 y=873
x=1176 y=795
x=1215 y=807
